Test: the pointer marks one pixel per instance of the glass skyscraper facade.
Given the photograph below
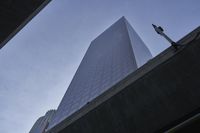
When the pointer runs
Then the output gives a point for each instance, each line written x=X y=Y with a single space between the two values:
x=112 y=56
x=42 y=123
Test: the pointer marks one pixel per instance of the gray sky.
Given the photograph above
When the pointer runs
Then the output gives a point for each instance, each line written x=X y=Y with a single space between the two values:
x=37 y=65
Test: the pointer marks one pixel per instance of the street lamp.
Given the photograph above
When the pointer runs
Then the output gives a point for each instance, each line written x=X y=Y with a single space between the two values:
x=160 y=31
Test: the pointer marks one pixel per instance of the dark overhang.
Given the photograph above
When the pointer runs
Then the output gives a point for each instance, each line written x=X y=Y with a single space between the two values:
x=15 y=14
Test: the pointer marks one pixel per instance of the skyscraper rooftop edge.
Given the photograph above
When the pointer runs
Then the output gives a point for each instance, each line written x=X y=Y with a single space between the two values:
x=120 y=19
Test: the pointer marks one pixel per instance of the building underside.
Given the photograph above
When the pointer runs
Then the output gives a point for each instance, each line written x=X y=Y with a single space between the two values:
x=15 y=14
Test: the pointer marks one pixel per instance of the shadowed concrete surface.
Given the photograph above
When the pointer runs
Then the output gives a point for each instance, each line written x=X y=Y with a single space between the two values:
x=14 y=14
x=158 y=96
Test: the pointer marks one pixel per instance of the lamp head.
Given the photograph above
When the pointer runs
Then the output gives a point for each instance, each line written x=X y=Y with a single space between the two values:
x=159 y=29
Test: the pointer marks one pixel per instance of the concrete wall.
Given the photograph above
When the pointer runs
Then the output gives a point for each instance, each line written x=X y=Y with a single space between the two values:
x=158 y=96
x=15 y=14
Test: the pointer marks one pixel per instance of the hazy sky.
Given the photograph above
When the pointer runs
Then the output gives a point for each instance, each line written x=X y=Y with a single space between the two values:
x=37 y=65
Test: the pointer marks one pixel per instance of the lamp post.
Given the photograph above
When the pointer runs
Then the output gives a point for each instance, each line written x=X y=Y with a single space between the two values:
x=160 y=31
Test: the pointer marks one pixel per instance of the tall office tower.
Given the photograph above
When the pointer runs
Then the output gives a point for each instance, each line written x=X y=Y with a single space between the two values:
x=42 y=123
x=112 y=56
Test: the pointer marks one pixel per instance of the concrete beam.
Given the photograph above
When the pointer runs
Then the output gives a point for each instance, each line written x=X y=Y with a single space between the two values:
x=15 y=14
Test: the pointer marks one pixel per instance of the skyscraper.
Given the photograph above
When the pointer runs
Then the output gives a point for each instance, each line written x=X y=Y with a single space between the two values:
x=112 y=56
x=42 y=123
